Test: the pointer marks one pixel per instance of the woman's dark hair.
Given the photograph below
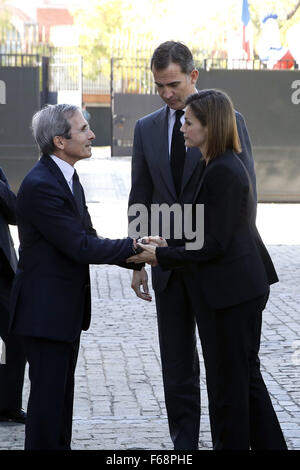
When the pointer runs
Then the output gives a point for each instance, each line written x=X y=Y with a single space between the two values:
x=214 y=109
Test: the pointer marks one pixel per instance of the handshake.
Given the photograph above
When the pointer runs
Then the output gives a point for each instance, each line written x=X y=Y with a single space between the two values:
x=145 y=250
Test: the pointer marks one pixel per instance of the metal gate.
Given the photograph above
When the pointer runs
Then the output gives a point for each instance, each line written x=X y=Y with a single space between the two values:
x=65 y=78
x=19 y=100
x=127 y=109
x=133 y=95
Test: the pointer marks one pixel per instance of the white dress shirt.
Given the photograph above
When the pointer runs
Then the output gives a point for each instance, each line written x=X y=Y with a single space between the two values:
x=66 y=169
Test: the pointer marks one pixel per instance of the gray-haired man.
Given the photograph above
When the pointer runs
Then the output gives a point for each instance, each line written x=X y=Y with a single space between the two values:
x=51 y=301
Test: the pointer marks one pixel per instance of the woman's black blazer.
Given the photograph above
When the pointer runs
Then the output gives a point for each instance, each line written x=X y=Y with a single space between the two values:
x=233 y=265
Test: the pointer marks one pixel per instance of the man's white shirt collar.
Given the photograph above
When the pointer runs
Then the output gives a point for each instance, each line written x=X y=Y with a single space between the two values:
x=66 y=169
x=173 y=111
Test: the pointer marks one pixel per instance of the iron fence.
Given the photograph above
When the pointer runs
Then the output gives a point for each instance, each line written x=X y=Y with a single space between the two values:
x=65 y=72
x=124 y=73
x=133 y=75
x=245 y=64
x=19 y=60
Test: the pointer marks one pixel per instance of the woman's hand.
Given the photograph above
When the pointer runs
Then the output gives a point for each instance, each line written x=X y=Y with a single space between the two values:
x=155 y=241
x=147 y=256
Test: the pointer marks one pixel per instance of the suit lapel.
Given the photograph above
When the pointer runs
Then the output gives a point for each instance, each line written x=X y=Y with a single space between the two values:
x=208 y=167
x=160 y=137
x=54 y=169
x=192 y=160
x=199 y=186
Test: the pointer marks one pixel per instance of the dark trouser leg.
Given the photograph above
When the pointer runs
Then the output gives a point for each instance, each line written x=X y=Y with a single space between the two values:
x=265 y=430
x=207 y=333
x=180 y=363
x=68 y=411
x=49 y=414
x=205 y=318
x=237 y=331
x=12 y=375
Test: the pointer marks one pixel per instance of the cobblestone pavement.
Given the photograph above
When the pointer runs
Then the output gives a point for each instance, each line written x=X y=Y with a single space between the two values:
x=119 y=402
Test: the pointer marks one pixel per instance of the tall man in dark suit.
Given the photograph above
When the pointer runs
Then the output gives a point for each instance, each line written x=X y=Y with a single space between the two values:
x=164 y=172
x=13 y=367
x=51 y=299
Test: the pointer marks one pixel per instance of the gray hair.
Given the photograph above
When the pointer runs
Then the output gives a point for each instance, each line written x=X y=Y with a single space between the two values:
x=50 y=121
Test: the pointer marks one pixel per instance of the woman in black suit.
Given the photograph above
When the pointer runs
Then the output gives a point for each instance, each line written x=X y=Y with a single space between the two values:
x=233 y=271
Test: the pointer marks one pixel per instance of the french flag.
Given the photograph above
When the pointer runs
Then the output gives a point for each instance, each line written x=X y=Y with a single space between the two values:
x=247 y=36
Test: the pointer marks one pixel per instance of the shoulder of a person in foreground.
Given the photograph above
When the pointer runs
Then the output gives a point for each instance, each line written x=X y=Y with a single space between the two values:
x=3 y=177
x=148 y=118
x=225 y=167
x=239 y=117
x=39 y=180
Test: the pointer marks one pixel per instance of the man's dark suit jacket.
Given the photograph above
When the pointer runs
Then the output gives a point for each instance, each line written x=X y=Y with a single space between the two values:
x=8 y=259
x=233 y=265
x=152 y=180
x=51 y=290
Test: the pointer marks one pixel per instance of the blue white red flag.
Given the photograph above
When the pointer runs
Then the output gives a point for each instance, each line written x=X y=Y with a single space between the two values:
x=247 y=32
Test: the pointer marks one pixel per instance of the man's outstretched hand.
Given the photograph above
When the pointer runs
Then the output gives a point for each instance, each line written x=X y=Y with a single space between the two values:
x=148 y=255
x=140 y=278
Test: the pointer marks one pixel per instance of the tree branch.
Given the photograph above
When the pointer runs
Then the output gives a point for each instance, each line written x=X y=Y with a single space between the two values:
x=292 y=12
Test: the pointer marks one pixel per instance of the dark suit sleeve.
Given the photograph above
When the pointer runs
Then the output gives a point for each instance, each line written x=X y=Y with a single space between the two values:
x=7 y=200
x=222 y=210
x=88 y=221
x=91 y=231
x=246 y=155
x=53 y=217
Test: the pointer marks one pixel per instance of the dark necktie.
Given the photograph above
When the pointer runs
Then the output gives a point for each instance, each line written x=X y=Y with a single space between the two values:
x=177 y=152
x=78 y=193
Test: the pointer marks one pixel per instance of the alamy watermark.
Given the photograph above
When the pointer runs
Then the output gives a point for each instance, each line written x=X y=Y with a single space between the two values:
x=295 y=97
x=2 y=92
x=182 y=219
